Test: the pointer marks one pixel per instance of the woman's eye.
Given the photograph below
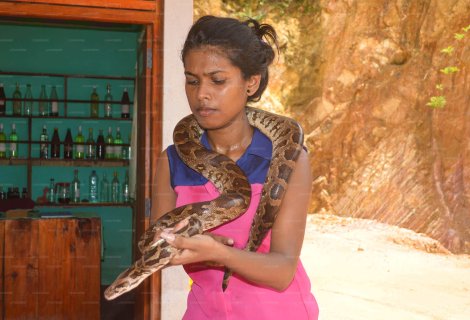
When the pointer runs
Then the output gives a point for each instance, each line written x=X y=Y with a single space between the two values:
x=219 y=81
x=191 y=82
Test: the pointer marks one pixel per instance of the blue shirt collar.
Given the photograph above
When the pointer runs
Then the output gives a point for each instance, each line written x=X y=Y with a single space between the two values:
x=260 y=145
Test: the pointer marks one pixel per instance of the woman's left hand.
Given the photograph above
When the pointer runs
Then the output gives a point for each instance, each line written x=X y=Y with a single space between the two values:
x=198 y=248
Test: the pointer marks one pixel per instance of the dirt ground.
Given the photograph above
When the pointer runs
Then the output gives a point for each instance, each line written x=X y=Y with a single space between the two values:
x=361 y=269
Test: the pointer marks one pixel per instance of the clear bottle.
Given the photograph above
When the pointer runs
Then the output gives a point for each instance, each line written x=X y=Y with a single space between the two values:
x=13 y=142
x=108 y=105
x=75 y=187
x=44 y=145
x=28 y=101
x=79 y=144
x=17 y=101
x=51 y=196
x=125 y=189
x=93 y=187
x=115 y=189
x=54 y=111
x=68 y=145
x=109 y=149
x=94 y=103
x=55 y=144
x=105 y=189
x=3 y=100
x=90 y=146
x=3 y=194
x=118 y=144
x=43 y=103
x=100 y=151
x=125 y=104
x=3 y=146
x=126 y=149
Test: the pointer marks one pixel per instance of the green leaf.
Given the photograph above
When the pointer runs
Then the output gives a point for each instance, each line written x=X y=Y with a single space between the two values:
x=466 y=28
x=459 y=36
x=439 y=87
x=449 y=50
x=437 y=102
x=449 y=70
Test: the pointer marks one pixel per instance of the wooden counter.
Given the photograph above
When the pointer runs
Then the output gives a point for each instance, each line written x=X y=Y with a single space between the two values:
x=50 y=268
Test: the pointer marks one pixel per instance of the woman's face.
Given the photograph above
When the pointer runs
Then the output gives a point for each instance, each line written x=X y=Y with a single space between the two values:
x=215 y=88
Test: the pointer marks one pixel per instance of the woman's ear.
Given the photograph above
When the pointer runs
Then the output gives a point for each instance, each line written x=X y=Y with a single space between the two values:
x=253 y=84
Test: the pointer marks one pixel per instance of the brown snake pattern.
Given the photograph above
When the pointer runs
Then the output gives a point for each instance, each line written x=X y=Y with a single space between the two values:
x=233 y=186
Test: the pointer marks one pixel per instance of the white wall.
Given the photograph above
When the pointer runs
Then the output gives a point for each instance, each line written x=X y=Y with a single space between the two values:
x=178 y=17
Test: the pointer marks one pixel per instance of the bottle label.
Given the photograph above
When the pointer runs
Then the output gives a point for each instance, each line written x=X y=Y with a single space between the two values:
x=2 y=147
x=54 y=107
x=2 y=102
x=13 y=147
x=125 y=109
x=118 y=151
x=109 y=149
x=80 y=148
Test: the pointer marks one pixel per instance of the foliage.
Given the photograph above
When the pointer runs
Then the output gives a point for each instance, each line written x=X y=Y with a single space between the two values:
x=439 y=101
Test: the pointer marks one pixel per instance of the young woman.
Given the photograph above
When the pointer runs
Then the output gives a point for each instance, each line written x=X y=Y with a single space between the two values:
x=226 y=65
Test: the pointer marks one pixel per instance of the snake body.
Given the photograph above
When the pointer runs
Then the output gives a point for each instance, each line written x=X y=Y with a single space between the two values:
x=233 y=186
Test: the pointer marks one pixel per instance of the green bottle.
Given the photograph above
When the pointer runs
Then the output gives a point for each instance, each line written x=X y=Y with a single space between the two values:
x=17 y=101
x=90 y=146
x=108 y=105
x=28 y=101
x=94 y=103
x=109 y=149
x=125 y=189
x=3 y=151
x=118 y=144
x=79 y=144
x=13 y=142
x=43 y=104
x=115 y=189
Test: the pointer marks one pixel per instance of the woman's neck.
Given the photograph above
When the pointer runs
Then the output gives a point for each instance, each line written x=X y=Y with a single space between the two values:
x=231 y=141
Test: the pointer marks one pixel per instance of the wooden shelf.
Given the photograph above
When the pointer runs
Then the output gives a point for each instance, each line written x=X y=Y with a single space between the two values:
x=83 y=204
x=13 y=162
x=79 y=163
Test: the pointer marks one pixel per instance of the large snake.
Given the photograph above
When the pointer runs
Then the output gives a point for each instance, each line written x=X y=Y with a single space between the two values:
x=235 y=194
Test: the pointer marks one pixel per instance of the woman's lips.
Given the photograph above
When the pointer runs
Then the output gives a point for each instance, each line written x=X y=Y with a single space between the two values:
x=205 y=112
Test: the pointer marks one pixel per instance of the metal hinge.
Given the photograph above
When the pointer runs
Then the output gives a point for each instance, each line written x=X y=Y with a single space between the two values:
x=148 y=207
x=149 y=58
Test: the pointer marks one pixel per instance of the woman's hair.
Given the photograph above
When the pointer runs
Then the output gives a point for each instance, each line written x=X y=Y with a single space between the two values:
x=247 y=45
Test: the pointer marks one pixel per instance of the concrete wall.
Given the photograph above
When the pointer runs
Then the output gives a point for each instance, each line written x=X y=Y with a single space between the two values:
x=178 y=20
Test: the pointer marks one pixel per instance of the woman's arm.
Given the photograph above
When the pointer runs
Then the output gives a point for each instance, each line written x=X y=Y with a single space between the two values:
x=275 y=269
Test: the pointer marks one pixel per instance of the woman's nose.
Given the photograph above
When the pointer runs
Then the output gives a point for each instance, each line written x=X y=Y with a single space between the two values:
x=203 y=92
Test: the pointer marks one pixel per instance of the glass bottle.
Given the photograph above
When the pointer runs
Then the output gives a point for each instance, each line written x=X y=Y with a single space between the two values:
x=100 y=146
x=105 y=189
x=28 y=101
x=94 y=103
x=79 y=144
x=24 y=193
x=3 y=195
x=3 y=146
x=51 y=192
x=118 y=144
x=93 y=187
x=55 y=144
x=43 y=103
x=125 y=189
x=90 y=145
x=3 y=100
x=44 y=146
x=125 y=104
x=109 y=149
x=108 y=105
x=13 y=142
x=68 y=145
x=17 y=101
x=115 y=189
x=54 y=111
x=75 y=187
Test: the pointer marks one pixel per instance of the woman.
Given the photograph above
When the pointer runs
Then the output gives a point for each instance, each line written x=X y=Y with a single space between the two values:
x=226 y=65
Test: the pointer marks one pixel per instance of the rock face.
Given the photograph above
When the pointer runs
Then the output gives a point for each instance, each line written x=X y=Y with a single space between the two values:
x=360 y=77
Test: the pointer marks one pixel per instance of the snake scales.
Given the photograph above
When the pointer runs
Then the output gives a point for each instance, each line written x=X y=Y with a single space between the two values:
x=233 y=186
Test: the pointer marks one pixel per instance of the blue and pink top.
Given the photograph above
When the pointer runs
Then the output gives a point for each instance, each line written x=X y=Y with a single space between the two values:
x=241 y=299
